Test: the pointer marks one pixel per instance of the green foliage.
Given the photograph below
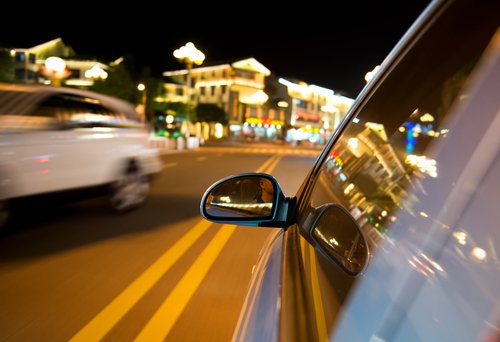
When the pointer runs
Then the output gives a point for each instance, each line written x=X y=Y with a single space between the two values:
x=118 y=84
x=206 y=112
x=6 y=66
x=177 y=109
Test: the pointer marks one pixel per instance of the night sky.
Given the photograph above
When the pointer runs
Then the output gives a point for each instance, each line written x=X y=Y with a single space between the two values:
x=331 y=45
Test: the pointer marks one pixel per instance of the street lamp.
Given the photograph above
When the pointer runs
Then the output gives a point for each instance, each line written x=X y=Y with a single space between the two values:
x=369 y=75
x=142 y=88
x=96 y=73
x=189 y=54
x=55 y=69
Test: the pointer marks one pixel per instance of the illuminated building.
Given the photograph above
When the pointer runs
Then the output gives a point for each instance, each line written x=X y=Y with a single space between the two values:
x=315 y=111
x=236 y=86
x=29 y=61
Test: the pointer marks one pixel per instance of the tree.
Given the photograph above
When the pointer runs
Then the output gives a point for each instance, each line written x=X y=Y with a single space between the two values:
x=118 y=84
x=179 y=109
x=6 y=66
x=207 y=112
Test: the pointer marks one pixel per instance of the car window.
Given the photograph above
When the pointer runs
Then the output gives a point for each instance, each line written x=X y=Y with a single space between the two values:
x=78 y=111
x=388 y=167
x=377 y=166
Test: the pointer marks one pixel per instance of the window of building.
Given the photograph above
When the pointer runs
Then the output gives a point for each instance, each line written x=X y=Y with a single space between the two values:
x=223 y=89
x=179 y=91
x=20 y=56
x=212 y=90
x=75 y=73
x=202 y=90
x=32 y=58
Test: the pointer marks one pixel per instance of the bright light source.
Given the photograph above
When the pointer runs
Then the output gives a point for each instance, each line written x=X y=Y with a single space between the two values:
x=190 y=53
x=369 y=75
x=169 y=119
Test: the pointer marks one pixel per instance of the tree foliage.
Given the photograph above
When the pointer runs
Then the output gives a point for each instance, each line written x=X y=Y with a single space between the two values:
x=6 y=66
x=206 y=112
x=118 y=84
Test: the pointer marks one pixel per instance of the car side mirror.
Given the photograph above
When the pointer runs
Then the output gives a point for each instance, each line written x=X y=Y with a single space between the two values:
x=337 y=235
x=250 y=199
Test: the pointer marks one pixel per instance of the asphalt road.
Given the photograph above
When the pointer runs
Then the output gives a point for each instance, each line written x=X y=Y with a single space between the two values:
x=78 y=272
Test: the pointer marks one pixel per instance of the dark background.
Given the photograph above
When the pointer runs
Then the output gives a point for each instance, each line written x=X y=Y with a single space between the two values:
x=331 y=45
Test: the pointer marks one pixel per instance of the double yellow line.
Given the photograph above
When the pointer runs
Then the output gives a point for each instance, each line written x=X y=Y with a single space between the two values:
x=165 y=317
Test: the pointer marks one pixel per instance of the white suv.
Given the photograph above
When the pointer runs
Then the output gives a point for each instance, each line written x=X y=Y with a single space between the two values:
x=54 y=139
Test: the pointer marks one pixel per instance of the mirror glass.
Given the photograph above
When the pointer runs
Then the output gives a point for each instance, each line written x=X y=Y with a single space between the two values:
x=338 y=234
x=241 y=197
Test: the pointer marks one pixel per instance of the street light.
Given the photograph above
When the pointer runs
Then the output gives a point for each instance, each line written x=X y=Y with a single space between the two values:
x=142 y=88
x=189 y=54
x=369 y=75
x=55 y=69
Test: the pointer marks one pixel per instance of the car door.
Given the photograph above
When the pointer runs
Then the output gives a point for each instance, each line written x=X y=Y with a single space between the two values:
x=391 y=166
x=62 y=143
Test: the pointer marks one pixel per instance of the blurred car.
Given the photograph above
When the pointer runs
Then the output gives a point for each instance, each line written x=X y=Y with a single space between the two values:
x=55 y=139
x=394 y=234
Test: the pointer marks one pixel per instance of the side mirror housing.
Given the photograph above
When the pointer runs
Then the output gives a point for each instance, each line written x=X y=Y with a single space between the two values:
x=336 y=233
x=248 y=199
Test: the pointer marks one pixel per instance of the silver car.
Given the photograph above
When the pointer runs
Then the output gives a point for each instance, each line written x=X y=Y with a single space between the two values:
x=57 y=139
x=394 y=234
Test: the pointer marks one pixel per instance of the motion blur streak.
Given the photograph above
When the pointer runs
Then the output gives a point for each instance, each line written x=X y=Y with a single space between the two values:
x=97 y=328
x=164 y=319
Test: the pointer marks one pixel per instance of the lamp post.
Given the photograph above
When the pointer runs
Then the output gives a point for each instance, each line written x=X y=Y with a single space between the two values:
x=189 y=54
x=142 y=88
x=96 y=73
x=55 y=69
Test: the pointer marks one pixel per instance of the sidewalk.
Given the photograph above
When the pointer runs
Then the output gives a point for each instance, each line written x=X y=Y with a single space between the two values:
x=166 y=145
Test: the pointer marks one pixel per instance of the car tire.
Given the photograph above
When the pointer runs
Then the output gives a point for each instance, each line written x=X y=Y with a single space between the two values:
x=130 y=190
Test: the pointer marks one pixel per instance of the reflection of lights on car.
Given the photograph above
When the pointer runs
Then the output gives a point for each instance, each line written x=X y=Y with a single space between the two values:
x=349 y=188
x=478 y=254
x=423 y=214
x=226 y=199
x=427 y=117
x=334 y=242
x=353 y=143
x=432 y=262
x=461 y=237
x=422 y=163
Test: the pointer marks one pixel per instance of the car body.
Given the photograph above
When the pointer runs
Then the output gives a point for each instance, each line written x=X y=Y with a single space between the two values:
x=58 y=139
x=393 y=235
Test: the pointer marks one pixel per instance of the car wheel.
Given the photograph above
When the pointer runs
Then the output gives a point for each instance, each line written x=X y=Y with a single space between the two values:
x=130 y=190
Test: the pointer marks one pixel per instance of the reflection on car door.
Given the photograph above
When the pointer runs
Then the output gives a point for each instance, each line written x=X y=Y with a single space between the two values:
x=393 y=169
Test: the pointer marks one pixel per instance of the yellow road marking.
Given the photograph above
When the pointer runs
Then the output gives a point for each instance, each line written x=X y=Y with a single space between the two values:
x=266 y=163
x=270 y=164
x=175 y=303
x=316 y=292
x=98 y=327
x=165 y=317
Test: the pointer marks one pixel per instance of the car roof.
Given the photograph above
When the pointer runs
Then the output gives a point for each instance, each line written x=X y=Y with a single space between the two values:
x=20 y=98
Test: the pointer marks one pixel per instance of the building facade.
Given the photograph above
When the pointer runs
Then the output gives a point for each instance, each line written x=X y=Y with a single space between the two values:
x=260 y=106
x=29 y=62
